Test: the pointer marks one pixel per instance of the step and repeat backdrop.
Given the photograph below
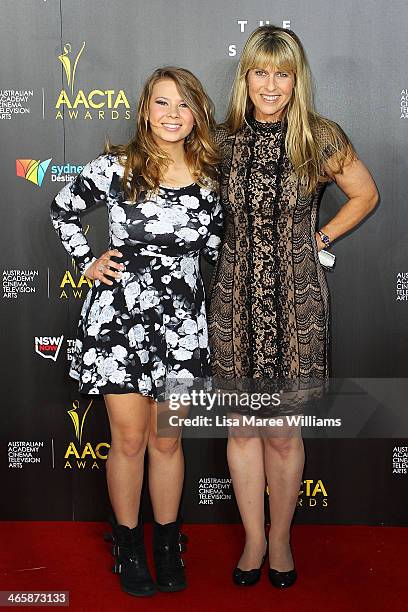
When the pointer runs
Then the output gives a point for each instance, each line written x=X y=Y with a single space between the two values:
x=71 y=73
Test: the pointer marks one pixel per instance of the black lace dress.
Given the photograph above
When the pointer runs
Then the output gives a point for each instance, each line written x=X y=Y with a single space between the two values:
x=269 y=310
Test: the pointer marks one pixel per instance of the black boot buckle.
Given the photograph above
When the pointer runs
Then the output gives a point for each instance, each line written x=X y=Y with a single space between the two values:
x=183 y=539
x=117 y=568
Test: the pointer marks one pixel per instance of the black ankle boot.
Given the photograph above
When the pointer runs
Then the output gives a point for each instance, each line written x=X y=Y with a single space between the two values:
x=130 y=561
x=167 y=548
x=108 y=535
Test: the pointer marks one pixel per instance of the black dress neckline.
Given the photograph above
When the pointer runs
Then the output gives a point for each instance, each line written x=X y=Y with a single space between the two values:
x=264 y=127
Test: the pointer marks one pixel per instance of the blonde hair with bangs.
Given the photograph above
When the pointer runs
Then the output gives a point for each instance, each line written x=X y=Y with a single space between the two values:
x=310 y=138
x=144 y=161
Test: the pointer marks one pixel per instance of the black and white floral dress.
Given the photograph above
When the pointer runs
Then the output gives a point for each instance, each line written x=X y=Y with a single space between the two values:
x=150 y=325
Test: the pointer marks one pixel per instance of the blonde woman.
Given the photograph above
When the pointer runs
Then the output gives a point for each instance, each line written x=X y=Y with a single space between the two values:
x=269 y=308
x=144 y=322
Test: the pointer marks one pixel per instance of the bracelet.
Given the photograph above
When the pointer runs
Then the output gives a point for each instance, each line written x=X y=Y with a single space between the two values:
x=325 y=239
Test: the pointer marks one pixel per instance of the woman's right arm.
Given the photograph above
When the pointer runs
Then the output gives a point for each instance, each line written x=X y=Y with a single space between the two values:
x=89 y=188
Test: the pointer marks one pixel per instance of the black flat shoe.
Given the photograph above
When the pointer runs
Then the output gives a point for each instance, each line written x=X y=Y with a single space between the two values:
x=282 y=580
x=247 y=577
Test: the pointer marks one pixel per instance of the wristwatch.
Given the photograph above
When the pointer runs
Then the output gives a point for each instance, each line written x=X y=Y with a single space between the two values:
x=324 y=237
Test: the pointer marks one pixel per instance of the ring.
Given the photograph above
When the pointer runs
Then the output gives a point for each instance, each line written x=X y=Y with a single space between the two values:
x=101 y=268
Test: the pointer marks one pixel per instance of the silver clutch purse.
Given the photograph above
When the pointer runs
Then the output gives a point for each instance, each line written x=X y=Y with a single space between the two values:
x=327 y=259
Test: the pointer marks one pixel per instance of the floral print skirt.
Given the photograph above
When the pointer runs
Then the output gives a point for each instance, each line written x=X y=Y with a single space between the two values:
x=148 y=327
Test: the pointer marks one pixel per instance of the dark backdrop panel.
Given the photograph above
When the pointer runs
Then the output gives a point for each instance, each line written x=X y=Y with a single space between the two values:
x=50 y=469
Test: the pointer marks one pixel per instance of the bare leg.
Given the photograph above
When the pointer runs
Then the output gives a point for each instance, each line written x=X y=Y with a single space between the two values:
x=245 y=460
x=129 y=418
x=284 y=462
x=166 y=469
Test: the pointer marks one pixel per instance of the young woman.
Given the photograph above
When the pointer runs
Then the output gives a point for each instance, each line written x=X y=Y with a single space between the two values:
x=269 y=308
x=143 y=322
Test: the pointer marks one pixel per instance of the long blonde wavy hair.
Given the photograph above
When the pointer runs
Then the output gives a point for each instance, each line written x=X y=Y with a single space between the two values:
x=310 y=138
x=142 y=158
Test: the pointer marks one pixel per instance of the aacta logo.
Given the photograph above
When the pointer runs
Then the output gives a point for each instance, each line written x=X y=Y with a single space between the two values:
x=32 y=169
x=73 y=283
x=87 y=104
x=48 y=346
x=79 y=455
x=312 y=494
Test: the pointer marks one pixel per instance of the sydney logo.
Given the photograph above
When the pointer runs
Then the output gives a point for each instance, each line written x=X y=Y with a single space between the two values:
x=98 y=103
x=32 y=169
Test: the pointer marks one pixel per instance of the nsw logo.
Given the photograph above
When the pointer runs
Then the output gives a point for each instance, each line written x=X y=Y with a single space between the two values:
x=32 y=170
x=48 y=346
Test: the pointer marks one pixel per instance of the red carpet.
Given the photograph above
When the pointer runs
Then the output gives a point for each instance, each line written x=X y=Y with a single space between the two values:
x=340 y=569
